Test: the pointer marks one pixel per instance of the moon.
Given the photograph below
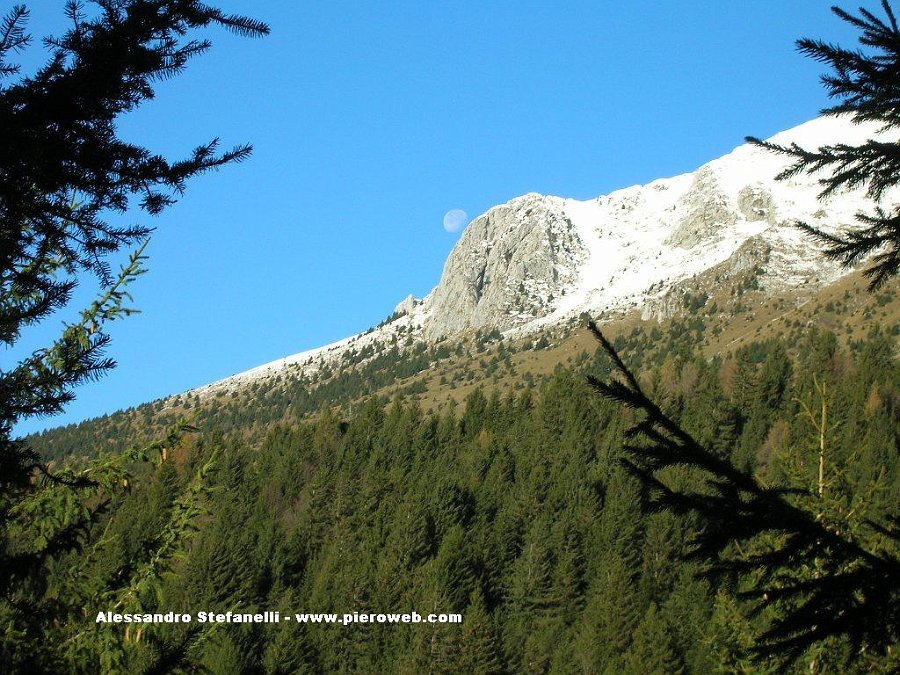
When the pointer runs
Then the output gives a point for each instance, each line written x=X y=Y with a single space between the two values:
x=454 y=220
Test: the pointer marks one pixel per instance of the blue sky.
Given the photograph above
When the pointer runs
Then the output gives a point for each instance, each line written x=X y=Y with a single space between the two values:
x=370 y=121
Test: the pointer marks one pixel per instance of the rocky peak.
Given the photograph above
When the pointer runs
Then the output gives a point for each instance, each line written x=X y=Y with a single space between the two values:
x=407 y=305
x=537 y=260
x=509 y=266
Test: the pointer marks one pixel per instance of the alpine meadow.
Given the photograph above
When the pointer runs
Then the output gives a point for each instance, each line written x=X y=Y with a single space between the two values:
x=654 y=431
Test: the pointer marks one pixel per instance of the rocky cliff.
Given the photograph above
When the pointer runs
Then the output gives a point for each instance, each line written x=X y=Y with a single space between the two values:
x=540 y=259
x=509 y=267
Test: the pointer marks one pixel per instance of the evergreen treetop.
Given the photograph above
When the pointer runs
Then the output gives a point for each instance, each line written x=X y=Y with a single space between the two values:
x=866 y=83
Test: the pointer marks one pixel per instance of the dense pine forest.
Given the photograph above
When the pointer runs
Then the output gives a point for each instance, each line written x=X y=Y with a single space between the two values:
x=513 y=510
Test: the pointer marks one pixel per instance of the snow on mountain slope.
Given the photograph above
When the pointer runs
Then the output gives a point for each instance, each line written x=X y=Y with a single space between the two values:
x=312 y=361
x=539 y=260
x=635 y=244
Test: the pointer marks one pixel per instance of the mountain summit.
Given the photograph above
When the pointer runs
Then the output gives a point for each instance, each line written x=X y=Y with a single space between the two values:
x=540 y=260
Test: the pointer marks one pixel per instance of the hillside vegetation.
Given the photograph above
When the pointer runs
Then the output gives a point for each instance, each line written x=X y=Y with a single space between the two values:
x=707 y=317
x=376 y=491
x=511 y=510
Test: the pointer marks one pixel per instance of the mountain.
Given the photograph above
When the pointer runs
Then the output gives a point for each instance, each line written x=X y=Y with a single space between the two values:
x=540 y=260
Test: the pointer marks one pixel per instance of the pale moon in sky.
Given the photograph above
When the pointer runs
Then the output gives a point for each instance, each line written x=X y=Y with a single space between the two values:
x=454 y=219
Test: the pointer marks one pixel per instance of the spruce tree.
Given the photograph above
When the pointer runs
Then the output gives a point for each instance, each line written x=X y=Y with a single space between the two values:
x=609 y=618
x=65 y=175
x=478 y=652
x=652 y=650
x=832 y=580
x=64 y=170
x=730 y=639
x=866 y=82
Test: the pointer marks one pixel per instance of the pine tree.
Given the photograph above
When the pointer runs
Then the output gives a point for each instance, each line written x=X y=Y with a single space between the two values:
x=855 y=579
x=730 y=638
x=478 y=653
x=832 y=583
x=290 y=648
x=652 y=650
x=609 y=618
x=63 y=168
x=659 y=555
x=63 y=171
x=867 y=84
x=620 y=525
x=529 y=602
x=687 y=610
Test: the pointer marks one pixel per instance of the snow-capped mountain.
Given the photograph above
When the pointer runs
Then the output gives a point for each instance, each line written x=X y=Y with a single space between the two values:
x=540 y=260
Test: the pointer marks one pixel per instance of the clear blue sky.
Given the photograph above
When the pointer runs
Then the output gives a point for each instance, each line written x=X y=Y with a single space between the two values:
x=370 y=121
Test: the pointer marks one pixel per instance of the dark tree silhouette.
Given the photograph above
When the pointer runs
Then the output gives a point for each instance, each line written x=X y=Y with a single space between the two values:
x=63 y=170
x=855 y=590
x=64 y=173
x=867 y=83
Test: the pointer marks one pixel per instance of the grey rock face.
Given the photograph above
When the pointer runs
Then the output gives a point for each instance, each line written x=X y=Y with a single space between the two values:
x=750 y=255
x=706 y=211
x=509 y=267
x=407 y=305
x=756 y=203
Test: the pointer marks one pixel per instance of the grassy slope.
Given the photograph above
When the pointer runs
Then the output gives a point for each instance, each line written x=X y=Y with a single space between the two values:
x=845 y=308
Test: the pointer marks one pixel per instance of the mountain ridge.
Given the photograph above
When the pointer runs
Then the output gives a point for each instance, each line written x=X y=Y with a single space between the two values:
x=540 y=260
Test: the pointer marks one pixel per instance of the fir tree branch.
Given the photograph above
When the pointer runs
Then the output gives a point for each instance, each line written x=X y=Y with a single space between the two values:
x=734 y=507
